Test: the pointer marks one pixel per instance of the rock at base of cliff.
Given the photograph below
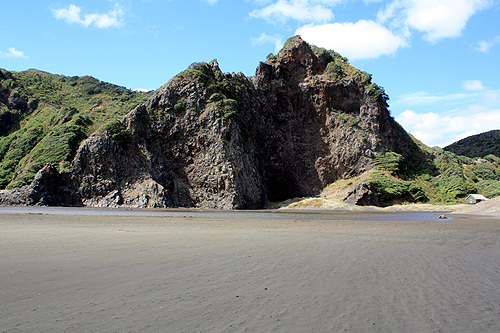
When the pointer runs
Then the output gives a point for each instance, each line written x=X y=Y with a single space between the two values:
x=49 y=188
x=362 y=195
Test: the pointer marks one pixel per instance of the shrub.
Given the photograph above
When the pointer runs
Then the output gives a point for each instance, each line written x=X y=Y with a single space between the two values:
x=379 y=93
x=492 y=158
x=390 y=161
x=198 y=71
x=334 y=71
x=216 y=97
x=391 y=189
x=338 y=67
x=489 y=188
x=16 y=184
x=458 y=187
x=118 y=132
x=487 y=171
x=227 y=108
x=94 y=89
x=180 y=106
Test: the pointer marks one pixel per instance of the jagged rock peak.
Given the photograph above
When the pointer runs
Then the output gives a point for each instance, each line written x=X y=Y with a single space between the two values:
x=214 y=64
x=298 y=57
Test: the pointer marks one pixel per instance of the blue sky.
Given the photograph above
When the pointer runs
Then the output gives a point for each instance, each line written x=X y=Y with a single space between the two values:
x=438 y=60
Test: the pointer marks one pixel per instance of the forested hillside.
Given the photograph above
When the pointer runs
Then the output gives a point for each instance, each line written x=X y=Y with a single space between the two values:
x=479 y=145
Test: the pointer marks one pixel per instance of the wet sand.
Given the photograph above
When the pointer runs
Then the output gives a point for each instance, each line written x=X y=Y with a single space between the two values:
x=194 y=274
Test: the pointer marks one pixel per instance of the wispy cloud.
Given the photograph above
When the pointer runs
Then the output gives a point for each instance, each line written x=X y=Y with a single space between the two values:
x=360 y=40
x=300 y=10
x=422 y=98
x=473 y=85
x=277 y=40
x=211 y=2
x=73 y=14
x=474 y=91
x=13 y=53
x=485 y=45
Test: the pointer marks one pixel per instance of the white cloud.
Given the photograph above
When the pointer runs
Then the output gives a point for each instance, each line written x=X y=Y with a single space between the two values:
x=437 y=19
x=473 y=85
x=73 y=14
x=390 y=12
x=443 y=129
x=277 y=40
x=300 y=10
x=485 y=45
x=438 y=130
x=360 y=40
x=440 y=19
x=13 y=53
x=211 y=2
x=70 y=14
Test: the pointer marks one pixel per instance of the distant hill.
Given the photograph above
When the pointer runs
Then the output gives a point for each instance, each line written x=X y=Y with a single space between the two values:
x=479 y=145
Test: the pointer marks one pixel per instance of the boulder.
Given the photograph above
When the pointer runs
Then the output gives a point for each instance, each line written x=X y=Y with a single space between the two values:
x=49 y=188
x=363 y=194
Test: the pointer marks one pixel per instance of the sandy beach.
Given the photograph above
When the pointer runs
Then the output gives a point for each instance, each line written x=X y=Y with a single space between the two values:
x=67 y=273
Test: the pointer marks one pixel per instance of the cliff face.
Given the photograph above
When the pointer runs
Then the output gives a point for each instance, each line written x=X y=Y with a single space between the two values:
x=313 y=130
x=214 y=140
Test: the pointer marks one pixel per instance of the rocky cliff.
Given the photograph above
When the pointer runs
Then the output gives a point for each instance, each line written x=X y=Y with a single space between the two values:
x=215 y=140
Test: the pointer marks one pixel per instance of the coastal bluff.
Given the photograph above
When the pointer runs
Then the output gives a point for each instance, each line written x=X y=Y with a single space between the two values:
x=209 y=139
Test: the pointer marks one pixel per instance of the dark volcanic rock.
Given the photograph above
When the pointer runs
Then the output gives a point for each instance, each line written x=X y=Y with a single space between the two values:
x=311 y=130
x=214 y=140
x=49 y=188
x=363 y=194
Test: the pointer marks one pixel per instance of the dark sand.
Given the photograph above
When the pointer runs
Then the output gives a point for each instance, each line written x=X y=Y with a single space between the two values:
x=152 y=274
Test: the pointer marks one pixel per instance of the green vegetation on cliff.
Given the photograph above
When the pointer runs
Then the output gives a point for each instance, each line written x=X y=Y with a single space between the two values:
x=338 y=68
x=224 y=89
x=44 y=118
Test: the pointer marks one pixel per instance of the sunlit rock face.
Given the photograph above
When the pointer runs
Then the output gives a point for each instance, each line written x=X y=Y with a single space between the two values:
x=215 y=140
